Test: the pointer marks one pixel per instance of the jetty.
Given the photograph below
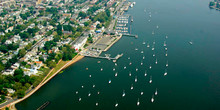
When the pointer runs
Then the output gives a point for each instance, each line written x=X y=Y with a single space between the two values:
x=130 y=35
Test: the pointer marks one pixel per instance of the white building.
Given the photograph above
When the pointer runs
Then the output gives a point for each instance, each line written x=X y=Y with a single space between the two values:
x=79 y=43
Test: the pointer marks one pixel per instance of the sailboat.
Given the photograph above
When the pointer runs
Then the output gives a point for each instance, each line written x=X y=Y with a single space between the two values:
x=150 y=67
x=89 y=94
x=80 y=99
x=152 y=99
x=123 y=93
x=90 y=75
x=109 y=81
x=141 y=63
x=153 y=32
x=132 y=87
x=166 y=37
x=136 y=49
x=149 y=20
x=116 y=74
x=77 y=92
x=129 y=73
x=116 y=105
x=142 y=92
x=96 y=103
x=150 y=79
x=142 y=51
x=138 y=102
x=155 y=92
x=93 y=85
x=167 y=64
x=115 y=64
x=164 y=44
x=148 y=45
x=143 y=57
x=154 y=55
x=101 y=69
x=98 y=92
x=156 y=61
x=145 y=74
x=136 y=69
x=113 y=69
x=166 y=54
x=166 y=49
x=165 y=73
x=124 y=67
x=130 y=63
x=82 y=86
x=135 y=80
x=128 y=58
x=144 y=43
x=157 y=26
x=190 y=42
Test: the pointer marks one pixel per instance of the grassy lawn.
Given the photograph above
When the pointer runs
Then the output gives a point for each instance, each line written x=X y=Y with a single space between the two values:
x=60 y=65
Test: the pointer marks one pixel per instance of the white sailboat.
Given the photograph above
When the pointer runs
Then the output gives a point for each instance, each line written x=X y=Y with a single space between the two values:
x=77 y=92
x=138 y=102
x=124 y=67
x=136 y=69
x=145 y=74
x=93 y=85
x=129 y=73
x=166 y=37
x=167 y=64
x=130 y=63
x=141 y=63
x=89 y=94
x=128 y=58
x=144 y=43
x=149 y=20
x=116 y=105
x=96 y=103
x=116 y=64
x=80 y=99
x=109 y=81
x=90 y=75
x=150 y=79
x=152 y=99
x=123 y=93
x=132 y=87
x=154 y=55
x=98 y=92
x=152 y=32
x=157 y=26
x=164 y=44
x=135 y=80
x=165 y=73
x=166 y=54
x=148 y=45
x=142 y=92
x=101 y=69
x=136 y=49
x=150 y=67
x=155 y=92
x=143 y=57
x=116 y=74
x=142 y=51
x=166 y=49
x=113 y=69
x=82 y=86
x=156 y=61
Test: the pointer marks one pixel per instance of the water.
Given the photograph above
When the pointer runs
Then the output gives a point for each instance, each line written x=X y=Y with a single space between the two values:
x=193 y=79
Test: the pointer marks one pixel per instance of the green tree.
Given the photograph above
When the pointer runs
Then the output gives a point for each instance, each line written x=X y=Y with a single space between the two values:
x=21 y=52
x=51 y=64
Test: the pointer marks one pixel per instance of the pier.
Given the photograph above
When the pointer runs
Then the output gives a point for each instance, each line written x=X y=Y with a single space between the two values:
x=107 y=56
x=130 y=35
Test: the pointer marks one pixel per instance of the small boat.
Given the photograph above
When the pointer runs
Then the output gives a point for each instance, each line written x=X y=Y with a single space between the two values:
x=116 y=105
x=144 y=43
x=153 y=32
x=155 y=92
x=93 y=85
x=98 y=92
x=154 y=42
x=99 y=62
x=150 y=79
x=82 y=86
x=128 y=58
x=156 y=61
x=164 y=44
x=166 y=49
x=87 y=68
x=109 y=81
x=129 y=73
x=166 y=37
x=152 y=99
x=167 y=64
x=149 y=20
x=136 y=49
x=165 y=73
x=90 y=75
x=190 y=42
x=136 y=69
x=142 y=92
x=101 y=69
x=149 y=15
x=138 y=102
x=80 y=99
x=96 y=103
x=77 y=92
x=141 y=63
x=89 y=94
x=116 y=74
x=135 y=80
x=115 y=64
x=157 y=26
x=124 y=67
x=152 y=48
x=143 y=57
x=148 y=45
x=113 y=69
x=130 y=63
x=166 y=54
x=142 y=51
x=145 y=74
x=132 y=87
x=150 y=66
x=154 y=55
x=123 y=93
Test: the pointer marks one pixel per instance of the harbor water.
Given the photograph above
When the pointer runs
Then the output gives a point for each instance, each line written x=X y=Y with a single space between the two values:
x=193 y=74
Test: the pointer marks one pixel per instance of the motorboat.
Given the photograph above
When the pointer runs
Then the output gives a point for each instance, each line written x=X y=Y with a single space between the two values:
x=89 y=94
x=135 y=80
x=113 y=69
x=142 y=93
x=124 y=67
x=109 y=81
x=93 y=85
x=96 y=103
x=130 y=63
x=101 y=69
x=80 y=99
x=123 y=93
x=145 y=74
x=155 y=92
x=150 y=79
x=152 y=99
x=156 y=61
x=116 y=105
x=143 y=57
x=136 y=69
x=132 y=87
x=150 y=66
x=138 y=102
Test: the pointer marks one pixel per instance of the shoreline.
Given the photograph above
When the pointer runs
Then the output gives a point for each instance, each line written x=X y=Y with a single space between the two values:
x=69 y=63
x=117 y=39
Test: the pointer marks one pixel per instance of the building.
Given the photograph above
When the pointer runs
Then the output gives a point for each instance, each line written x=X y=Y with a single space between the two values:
x=80 y=42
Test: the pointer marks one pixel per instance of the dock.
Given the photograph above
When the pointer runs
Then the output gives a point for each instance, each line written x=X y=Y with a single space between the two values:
x=130 y=35
x=107 y=56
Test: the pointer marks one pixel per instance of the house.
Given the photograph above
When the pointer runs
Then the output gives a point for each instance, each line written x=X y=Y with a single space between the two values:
x=8 y=42
x=38 y=64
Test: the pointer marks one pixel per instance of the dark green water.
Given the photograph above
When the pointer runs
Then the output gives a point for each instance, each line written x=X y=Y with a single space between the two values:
x=193 y=80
